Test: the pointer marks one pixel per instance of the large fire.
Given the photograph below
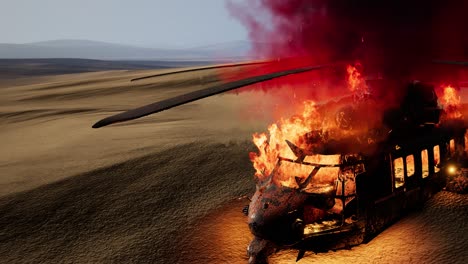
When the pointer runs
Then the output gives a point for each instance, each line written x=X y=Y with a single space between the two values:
x=293 y=129
x=296 y=129
x=312 y=122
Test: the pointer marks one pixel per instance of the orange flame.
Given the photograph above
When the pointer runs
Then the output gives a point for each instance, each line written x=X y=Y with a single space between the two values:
x=356 y=82
x=451 y=101
x=295 y=129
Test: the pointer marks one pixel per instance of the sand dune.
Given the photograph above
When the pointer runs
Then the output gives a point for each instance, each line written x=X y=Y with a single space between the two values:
x=141 y=210
x=161 y=189
x=46 y=126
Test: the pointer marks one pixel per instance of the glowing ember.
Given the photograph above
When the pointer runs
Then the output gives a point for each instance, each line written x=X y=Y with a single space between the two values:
x=451 y=101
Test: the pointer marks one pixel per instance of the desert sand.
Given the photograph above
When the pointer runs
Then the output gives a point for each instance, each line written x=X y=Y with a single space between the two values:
x=166 y=188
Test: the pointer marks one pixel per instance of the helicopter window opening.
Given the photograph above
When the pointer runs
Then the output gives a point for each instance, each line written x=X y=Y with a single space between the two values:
x=324 y=182
x=425 y=163
x=436 y=158
x=359 y=168
x=348 y=176
x=398 y=172
x=323 y=159
x=288 y=174
x=452 y=146
x=346 y=186
x=410 y=165
x=289 y=154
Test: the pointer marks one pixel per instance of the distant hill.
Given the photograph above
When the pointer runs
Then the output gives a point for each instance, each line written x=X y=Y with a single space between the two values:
x=13 y=68
x=86 y=49
x=225 y=49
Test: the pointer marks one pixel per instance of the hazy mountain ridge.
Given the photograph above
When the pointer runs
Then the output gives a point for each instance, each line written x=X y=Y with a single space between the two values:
x=87 y=49
x=13 y=68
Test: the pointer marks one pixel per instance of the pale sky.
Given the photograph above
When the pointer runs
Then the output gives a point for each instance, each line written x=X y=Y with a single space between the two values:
x=182 y=23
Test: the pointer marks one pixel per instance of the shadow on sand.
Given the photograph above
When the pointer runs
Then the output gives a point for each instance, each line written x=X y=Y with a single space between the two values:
x=141 y=210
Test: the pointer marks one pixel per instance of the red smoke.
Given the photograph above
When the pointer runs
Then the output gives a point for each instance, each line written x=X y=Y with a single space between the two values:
x=395 y=39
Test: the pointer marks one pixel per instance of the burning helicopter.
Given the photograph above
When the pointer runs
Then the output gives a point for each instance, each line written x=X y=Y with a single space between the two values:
x=338 y=187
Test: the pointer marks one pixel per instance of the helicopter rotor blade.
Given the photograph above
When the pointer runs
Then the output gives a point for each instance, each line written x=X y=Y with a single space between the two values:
x=196 y=95
x=201 y=68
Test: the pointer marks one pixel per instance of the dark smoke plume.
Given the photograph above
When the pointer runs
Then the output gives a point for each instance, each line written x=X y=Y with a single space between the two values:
x=391 y=37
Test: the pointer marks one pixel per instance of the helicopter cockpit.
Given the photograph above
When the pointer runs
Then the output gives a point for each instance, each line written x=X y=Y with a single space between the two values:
x=329 y=181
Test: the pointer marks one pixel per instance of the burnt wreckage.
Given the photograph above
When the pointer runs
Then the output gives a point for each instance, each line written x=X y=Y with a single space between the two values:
x=346 y=189
x=360 y=184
